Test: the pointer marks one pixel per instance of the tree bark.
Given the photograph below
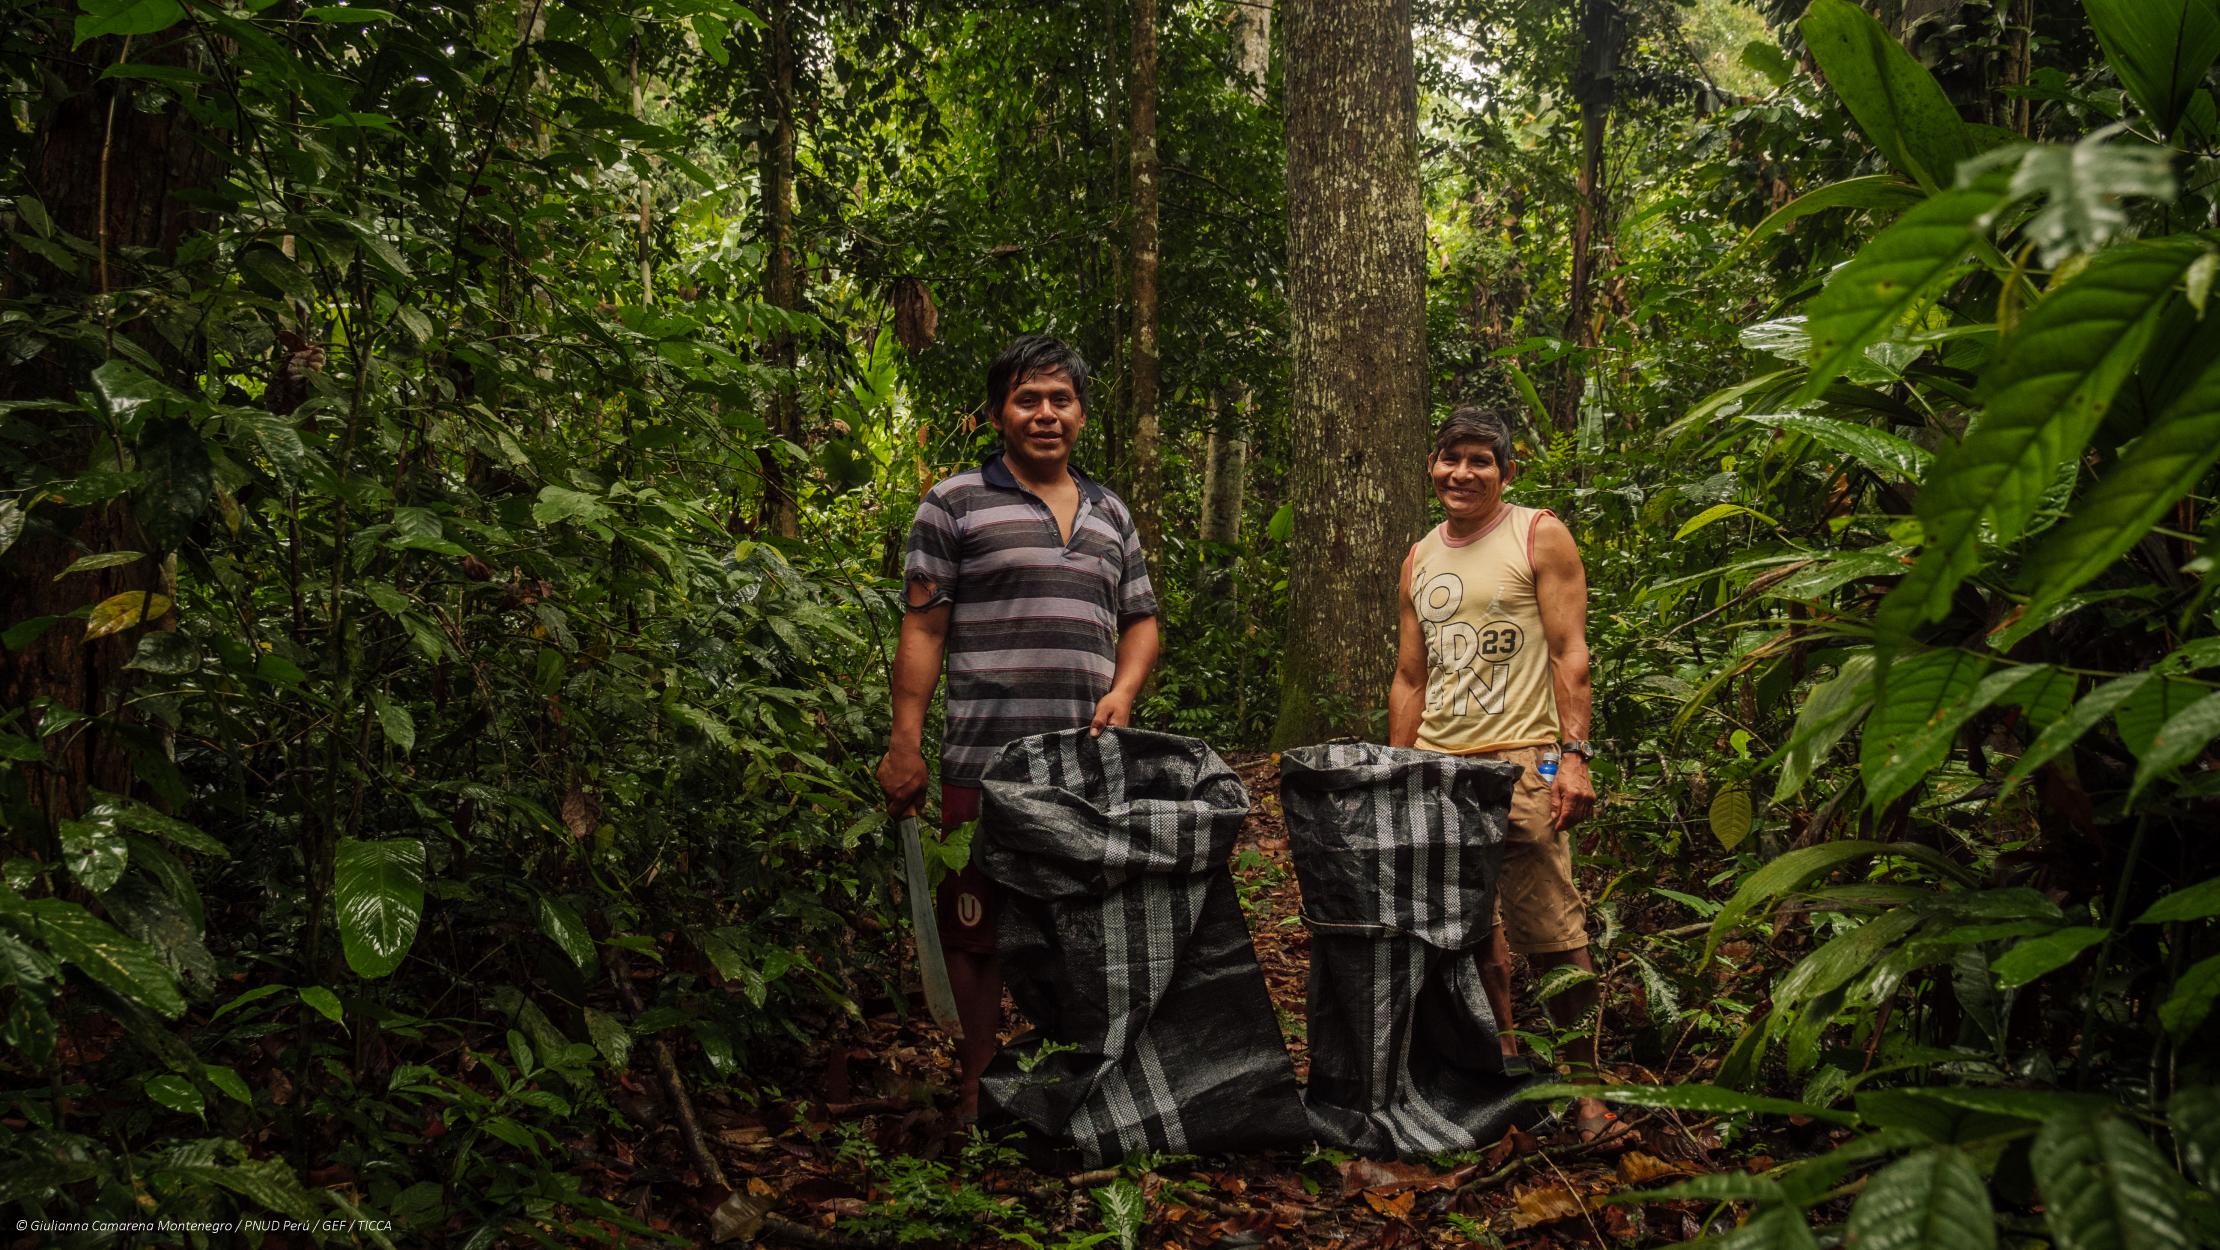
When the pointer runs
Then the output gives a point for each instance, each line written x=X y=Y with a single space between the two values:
x=1225 y=463
x=1356 y=244
x=782 y=281
x=1602 y=32
x=109 y=172
x=1146 y=487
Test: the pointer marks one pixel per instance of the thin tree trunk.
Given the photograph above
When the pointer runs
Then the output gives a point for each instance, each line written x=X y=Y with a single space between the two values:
x=783 y=273
x=1145 y=485
x=645 y=245
x=1356 y=244
x=1602 y=30
x=1225 y=463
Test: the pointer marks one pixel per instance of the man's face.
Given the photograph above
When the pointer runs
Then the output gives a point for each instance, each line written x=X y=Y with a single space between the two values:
x=1467 y=480
x=1040 y=420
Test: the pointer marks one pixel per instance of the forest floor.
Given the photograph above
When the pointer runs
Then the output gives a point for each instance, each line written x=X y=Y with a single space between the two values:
x=867 y=1155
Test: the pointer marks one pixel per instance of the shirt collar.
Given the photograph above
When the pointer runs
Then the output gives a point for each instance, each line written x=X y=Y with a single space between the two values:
x=998 y=475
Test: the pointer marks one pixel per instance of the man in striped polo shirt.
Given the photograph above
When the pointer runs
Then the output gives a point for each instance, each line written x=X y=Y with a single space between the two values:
x=1026 y=577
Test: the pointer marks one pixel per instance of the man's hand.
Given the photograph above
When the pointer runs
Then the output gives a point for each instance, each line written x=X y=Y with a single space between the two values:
x=1116 y=708
x=1572 y=797
x=902 y=776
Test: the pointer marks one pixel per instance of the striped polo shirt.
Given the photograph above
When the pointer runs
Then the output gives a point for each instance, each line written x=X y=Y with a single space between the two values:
x=1033 y=633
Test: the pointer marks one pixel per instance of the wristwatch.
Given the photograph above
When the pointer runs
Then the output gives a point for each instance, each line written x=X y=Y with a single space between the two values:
x=1581 y=747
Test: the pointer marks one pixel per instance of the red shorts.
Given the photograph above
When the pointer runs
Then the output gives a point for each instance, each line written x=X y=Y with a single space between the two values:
x=964 y=904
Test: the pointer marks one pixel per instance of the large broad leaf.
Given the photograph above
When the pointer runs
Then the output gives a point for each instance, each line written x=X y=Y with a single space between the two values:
x=379 y=887
x=1787 y=872
x=130 y=968
x=2194 y=1115
x=2166 y=463
x=2105 y=1186
x=126 y=17
x=1881 y=191
x=1922 y=703
x=2085 y=716
x=2198 y=902
x=2161 y=50
x=2040 y=956
x=1710 y=1098
x=2190 y=1001
x=2044 y=398
x=1829 y=711
x=95 y=852
x=560 y=921
x=1895 y=101
x=2082 y=188
x=179 y=482
x=1878 y=450
x=1934 y=1200
x=2182 y=738
x=1897 y=272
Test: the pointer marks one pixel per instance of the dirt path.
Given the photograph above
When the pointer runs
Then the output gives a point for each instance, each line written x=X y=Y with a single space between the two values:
x=869 y=1157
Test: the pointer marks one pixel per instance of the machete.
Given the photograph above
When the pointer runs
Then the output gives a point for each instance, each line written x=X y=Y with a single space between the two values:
x=940 y=997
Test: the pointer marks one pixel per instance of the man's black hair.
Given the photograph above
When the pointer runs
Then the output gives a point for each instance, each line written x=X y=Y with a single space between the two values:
x=1030 y=356
x=1470 y=423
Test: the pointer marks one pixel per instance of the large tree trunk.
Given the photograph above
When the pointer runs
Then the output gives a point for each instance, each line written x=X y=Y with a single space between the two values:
x=782 y=281
x=1356 y=251
x=109 y=172
x=1145 y=484
x=1602 y=31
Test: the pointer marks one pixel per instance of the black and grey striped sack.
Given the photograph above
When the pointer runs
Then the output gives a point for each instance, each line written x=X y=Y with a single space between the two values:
x=1123 y=942
x=1397 y=852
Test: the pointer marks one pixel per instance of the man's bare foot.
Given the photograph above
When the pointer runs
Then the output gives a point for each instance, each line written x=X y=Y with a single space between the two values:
x=1599 y=1126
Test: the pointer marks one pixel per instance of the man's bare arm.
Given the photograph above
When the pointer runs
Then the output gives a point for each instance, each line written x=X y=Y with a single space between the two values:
x=1561 y=587
x=918 y=651
x=1407 y=694
x=1137 y=649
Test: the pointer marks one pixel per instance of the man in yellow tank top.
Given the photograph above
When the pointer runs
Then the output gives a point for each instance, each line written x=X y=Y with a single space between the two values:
x=1493 y=660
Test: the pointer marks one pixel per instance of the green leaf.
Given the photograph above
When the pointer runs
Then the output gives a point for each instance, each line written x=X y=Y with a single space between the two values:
x=125 y=17
x=136 y=815
x=1718 y=512
x=324 y=1002
x=394 y=719
x=2190 y=1001
x=2085 y=716
x=2199 y=902
x=561 y=503
x=610 y=1037
x=1881 y=191
x=95 y=852
x=2104 y=1185
x=2194 y=1115
x=2045 y=396
x=1791 y=871
x=255 y=995
x=1897 y=104
x=2161 y=49
x=1922 y=702
x=1876 y=449
x=558 y=920
x=126 y=394
x=2146 y=713
x=1904 y=265
x=2041 y=956
x=228 y=1082
x=104 y=560
x=267 y=267
x=1933 y=1200
x=178 y=1094
x=168 y=653
x=179 y=484
x=117 y=613
x=130 y=968
x=1730 y=815
x=2081 y=188
x=1829 y=711
x=1707 y=1098
x=2181 y=443
x=2181 y=739
x=378 y=887
x=11 y=524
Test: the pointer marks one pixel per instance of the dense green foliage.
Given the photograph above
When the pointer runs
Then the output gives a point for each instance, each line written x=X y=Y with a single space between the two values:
x=471 y=731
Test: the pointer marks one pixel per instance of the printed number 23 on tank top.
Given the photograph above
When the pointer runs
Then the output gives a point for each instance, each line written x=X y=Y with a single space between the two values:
x=1487 y=665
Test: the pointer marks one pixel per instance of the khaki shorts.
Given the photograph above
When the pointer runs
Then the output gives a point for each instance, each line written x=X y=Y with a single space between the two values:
x=1537 y=903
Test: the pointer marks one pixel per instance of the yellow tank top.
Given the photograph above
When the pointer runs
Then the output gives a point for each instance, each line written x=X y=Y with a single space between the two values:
x=1487 y=663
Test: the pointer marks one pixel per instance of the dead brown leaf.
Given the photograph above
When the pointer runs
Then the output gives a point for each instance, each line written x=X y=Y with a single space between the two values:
x=1545 y=1204
x=739 y=1217
x=1387 y=1176
x=1393 y=1206
x=1636 y=1168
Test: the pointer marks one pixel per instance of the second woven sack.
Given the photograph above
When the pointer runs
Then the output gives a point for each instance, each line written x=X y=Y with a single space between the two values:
x=1398 y=852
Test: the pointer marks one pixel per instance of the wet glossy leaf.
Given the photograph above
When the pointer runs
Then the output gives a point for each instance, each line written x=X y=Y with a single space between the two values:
x=378 y=888
x=117 y=613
